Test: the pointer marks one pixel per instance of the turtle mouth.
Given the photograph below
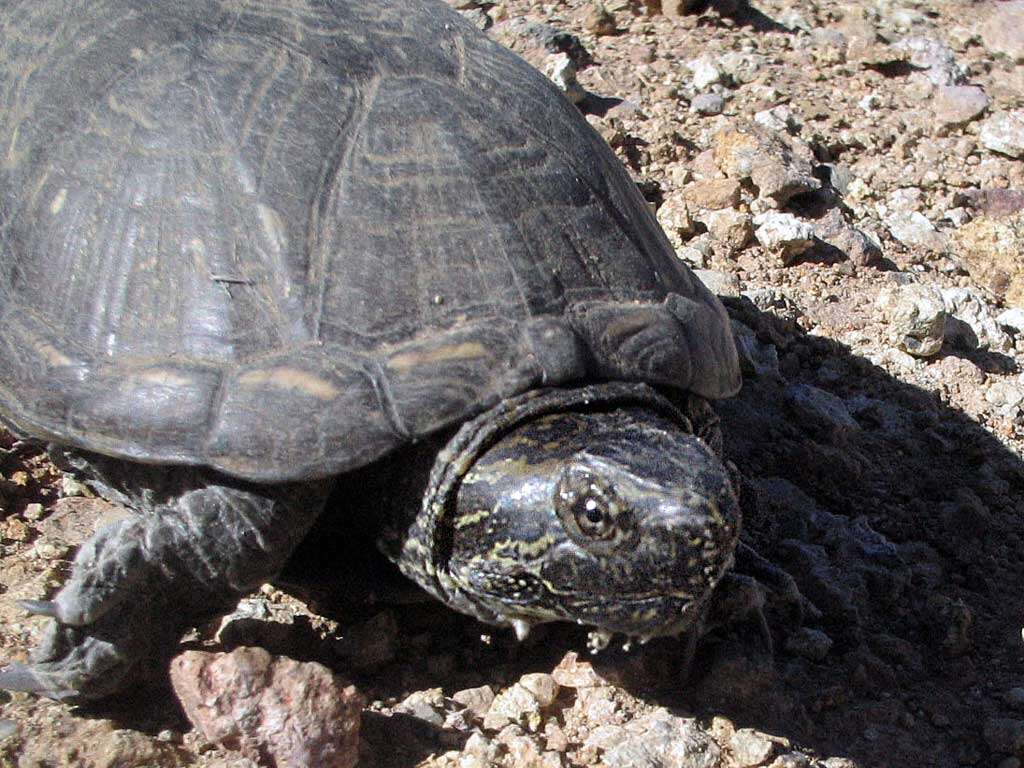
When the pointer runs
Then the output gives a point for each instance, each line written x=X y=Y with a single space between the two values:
x=655 y=613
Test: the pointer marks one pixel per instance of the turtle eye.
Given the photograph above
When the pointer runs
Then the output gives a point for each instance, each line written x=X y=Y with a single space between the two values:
x=588 y=506
x=592 y=516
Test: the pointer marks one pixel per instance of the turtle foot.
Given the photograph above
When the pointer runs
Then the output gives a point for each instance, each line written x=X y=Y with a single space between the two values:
x=140 y=582
x=110 y=616
x=73 y=665
x=756 y=591
x=40 y=607
x=779 y=583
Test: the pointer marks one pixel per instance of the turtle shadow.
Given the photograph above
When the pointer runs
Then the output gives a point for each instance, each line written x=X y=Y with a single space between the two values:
x=899 y=517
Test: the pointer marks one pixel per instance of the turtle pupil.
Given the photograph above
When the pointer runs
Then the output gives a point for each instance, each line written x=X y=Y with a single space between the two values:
x=593 y=512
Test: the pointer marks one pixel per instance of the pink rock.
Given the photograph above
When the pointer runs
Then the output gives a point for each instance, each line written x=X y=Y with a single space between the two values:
x=277 y=711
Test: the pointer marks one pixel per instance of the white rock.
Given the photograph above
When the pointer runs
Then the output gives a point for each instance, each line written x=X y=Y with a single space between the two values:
x=730 y=229
x=982 y=331
x=674 y=217
x=705 y=72
x=783 y=234
x=476 y=700
x=1012 y=318
x=750 y=748
x=1004 y=133
x=658 y=739
x=905 y=199
x=562 y=72
x=917 y=318
x=707 y=104
x=778 y=118
x=870 y=103
x=513 y=705
x=573 y=673
x=934 y=56
x=1003 y=29
x=719 y=282
x=1006 y=396
x=915 y=231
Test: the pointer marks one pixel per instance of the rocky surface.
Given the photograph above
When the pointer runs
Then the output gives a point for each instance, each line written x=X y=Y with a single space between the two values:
x=849 y=177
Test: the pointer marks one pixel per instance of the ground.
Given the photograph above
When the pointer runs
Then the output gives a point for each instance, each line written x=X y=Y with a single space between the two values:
x=878 y=434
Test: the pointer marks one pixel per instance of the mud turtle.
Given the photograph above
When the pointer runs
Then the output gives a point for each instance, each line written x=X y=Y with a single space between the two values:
x=250 y=248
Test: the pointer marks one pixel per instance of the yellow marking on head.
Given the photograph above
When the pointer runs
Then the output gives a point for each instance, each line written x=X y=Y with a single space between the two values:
x=291 y=379
x=645 y=616
x=714 y=512
x=518 y=466
x=521 y=548
x=471 y=518
x=493 y=557
x=538 y=547
x=405 y=362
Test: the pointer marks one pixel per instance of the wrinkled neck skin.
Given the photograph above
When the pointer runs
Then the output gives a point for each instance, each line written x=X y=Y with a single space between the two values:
x=609 y=515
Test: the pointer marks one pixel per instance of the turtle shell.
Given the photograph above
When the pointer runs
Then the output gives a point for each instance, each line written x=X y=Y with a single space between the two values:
x=283 y=238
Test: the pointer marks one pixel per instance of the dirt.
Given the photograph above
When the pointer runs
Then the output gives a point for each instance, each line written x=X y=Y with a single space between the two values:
x=888 y=485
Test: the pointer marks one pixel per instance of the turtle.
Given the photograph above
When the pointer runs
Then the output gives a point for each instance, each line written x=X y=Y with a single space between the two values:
x=250 y=249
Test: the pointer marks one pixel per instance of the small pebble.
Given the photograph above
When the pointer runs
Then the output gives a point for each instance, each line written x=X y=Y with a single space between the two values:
x=705 y=72
x=513 y=705
x=707 y=104
x=70 y=487
x=480 y=746
x=750 y=748
x=34 y=512
x=573 y=673
x=476 y=700
x=1004 y=133
x=542 y=686
x=783 y=235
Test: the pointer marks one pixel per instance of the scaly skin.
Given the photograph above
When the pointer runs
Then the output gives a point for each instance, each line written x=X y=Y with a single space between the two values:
x=139 y=583
x=503 y=532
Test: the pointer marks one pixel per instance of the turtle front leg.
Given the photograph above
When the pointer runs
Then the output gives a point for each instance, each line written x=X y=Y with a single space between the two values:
x=139 y=583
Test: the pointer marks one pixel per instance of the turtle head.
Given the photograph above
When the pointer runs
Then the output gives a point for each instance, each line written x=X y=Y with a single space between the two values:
x=605 y=511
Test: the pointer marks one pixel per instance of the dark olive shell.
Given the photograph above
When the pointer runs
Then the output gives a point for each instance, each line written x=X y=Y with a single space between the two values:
x=283 y=238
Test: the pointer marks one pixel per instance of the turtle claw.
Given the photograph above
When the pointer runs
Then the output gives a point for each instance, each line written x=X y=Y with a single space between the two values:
x=39 y=607
x=25 y=679
x=72 y=664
